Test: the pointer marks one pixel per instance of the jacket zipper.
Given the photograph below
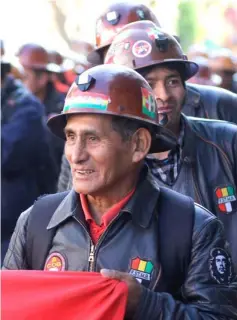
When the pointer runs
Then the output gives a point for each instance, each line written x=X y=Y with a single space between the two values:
x=93 y=248
x=91 y=259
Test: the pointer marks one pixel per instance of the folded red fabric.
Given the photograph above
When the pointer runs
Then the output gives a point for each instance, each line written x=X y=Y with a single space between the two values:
x=45 y=295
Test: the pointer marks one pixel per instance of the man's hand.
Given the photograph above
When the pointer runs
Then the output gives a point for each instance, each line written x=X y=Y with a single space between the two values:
x=134 y=288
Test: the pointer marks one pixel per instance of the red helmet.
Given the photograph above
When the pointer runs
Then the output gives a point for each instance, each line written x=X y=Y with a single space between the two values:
x=114 y=18
x=142 y=44
x=34 y=56
x=118 y=91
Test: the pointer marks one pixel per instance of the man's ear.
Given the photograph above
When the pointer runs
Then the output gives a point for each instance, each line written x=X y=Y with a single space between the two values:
x=141 y=142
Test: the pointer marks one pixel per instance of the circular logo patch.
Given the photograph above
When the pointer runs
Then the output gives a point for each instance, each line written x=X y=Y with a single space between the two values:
x=55 y=262
x=141 y=49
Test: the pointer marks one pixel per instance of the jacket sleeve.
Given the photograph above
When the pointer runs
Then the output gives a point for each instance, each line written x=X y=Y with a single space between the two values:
x=21 y=135
x=203 y=295
x=15 y=258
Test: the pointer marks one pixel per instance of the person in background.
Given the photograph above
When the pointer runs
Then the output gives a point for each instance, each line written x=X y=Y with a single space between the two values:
x=38 y=78
x=27 y=167
x=201 y=101
x=222 y=64
x=204 y=164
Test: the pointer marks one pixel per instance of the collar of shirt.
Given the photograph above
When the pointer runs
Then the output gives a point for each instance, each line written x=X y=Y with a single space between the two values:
x=110 y=214
x=178 y=147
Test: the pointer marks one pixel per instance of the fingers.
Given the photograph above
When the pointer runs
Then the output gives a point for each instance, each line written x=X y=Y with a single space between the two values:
x=115 y=274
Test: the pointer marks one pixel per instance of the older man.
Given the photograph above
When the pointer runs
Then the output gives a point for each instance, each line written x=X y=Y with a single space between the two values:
x=117 y=220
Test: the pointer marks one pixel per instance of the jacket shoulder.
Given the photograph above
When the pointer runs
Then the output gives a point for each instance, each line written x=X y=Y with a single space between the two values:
x=214 y=130
x=213 y=93
x=202 y=217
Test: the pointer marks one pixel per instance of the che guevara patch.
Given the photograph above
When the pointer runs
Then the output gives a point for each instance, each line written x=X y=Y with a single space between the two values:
x=220 y=266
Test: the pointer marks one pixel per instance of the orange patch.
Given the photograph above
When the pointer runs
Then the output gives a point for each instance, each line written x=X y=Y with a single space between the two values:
x=55 y=262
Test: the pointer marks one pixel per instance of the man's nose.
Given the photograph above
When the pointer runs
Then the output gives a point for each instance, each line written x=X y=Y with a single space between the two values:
x=79 y=152
x=161 y=93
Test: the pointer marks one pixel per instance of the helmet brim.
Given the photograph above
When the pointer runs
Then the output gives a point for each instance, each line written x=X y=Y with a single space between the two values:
x=95 y=56
x=190 y=67
x=163 y=139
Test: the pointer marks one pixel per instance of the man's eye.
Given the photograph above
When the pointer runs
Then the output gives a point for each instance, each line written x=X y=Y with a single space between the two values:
x=151 y=85
x=70 y=137
x=173 y=82
x=92 y=138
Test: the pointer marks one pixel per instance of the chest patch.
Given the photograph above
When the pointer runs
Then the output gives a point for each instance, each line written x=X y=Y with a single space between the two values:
x=141 y=270
x=226 y=199
x=55 y=262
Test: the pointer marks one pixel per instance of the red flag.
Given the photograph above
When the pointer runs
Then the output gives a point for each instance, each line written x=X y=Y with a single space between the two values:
x=45 y=295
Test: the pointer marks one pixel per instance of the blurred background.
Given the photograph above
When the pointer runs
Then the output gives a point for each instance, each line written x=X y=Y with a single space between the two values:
x=57 y=25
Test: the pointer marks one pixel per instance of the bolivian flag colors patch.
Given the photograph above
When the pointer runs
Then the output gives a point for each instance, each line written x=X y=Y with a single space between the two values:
x=90 y=100
x=141 y=269
x=148 y=104
x=226 y=199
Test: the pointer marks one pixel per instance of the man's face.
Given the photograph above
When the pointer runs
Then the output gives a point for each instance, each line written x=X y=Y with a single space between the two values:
x=221 y=264
x=35 y=82
x=100 y=160
x=169 y=91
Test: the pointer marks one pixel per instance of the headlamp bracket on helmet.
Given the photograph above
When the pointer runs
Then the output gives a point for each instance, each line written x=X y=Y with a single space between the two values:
x=84 y=81
x=162 y=43
x=113 y=17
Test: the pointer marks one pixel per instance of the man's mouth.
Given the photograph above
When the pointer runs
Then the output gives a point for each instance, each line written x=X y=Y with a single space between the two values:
x=83 y=172
x=165 y=109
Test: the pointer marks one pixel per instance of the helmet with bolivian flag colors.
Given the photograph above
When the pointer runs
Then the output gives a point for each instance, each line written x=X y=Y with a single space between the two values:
x=117 y=91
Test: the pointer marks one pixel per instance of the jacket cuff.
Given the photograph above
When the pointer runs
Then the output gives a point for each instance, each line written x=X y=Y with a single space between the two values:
x=149 y=307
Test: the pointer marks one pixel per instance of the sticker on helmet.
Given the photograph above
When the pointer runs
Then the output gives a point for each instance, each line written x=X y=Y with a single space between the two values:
x=87 y=100
x=152 y=33
x=141 y=49
x=220 y=265
x=149 y=107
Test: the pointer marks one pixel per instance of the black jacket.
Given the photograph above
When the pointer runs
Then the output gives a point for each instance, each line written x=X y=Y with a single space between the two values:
x=205 y=293
x=209 y=167
x=210 y=103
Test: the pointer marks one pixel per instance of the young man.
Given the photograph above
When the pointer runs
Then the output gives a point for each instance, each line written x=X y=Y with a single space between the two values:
x=116 y=219
x=204 y=165
x=200 y=100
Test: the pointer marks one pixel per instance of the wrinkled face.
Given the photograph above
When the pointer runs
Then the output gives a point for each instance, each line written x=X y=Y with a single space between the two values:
x=35 y=82
x=221 y=264
x=99 y=158
x=169 y=91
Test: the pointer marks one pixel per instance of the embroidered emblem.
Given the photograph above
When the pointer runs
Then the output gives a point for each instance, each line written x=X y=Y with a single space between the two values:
x=226 y=199
x=220 y=266
x=141 y=269
x=141 y=49
x=55 y=262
